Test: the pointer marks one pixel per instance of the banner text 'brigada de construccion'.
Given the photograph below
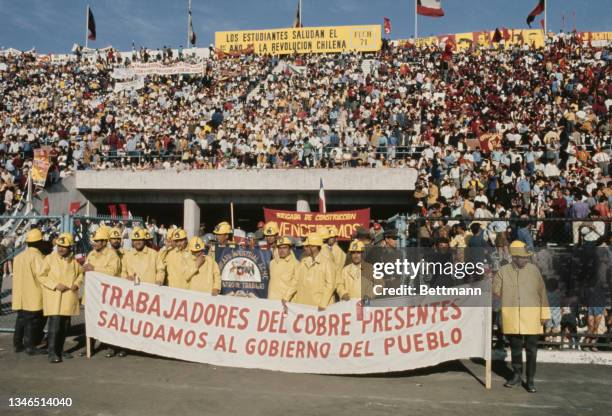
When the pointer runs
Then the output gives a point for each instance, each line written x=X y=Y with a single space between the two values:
x=324 y=39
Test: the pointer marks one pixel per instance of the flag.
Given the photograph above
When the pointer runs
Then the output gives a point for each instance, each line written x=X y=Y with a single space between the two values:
x=91 y=25
x=192 y=35
x=497 y=36
x=322 y=205
x=387 y=26
x=298 y=15
x=431 y=8
x=542 y=23
x=74 y=207
x=124 y=211
x=113 y=210
x=46 y=206
x=538 y=9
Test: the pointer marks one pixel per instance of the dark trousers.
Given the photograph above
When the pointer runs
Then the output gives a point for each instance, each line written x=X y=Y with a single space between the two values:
x=58 y=329
x=531 y=350
x=29 y=327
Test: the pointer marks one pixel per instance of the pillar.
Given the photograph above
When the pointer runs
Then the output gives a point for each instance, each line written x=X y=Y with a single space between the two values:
x=191 y=217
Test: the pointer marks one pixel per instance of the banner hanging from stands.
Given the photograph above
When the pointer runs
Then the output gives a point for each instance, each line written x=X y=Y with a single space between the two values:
x=324 y=39
x=234 y=331
x=298 y=224
x=40 y=166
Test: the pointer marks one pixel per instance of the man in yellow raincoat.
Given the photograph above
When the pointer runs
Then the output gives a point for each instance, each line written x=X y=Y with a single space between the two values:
x=524 y=309
x=283 y=270
x=356 y=278
x=202 y=272
x=315 y=276
x=142 y=263
x=27 y=295
x=176 y=260
x=61 y=276
x=116 y=241
x=270 y=232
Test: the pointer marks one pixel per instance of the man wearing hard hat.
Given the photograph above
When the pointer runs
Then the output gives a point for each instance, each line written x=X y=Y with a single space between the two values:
x=142 y=263
x=202 y=272
x=314 y=276
x=176 y=260
x=27 y=295
x=283 y=269
x=116 y=241
x=524 y=309
x=62 y=276
x=270 y=232
x=168 y=246
x=356 y=279
x=102 y=258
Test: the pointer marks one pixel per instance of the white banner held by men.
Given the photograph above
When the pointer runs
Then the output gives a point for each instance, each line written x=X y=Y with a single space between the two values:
x=254 y=333
x=156 y=68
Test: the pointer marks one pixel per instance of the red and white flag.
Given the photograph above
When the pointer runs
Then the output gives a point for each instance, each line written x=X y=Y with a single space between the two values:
x=540 y=7
x=322 y=206
x=431 y=8
x=387 y=26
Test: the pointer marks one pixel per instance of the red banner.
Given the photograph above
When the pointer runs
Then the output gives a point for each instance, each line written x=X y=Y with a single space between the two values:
x=112 y=209
x=298 y=224
x=124 y=211
x=46 y=206
x=74 y=207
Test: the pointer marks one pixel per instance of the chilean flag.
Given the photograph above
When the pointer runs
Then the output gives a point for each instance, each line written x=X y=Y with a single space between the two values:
x=431 y=8
x=322 y=207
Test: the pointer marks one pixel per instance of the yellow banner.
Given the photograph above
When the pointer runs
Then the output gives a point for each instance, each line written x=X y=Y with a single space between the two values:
x=325 y=39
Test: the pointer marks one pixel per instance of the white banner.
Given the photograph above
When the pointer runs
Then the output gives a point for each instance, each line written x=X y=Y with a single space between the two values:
x=122 y=73
x=136 y=84
x=142 y=69
x=255 y=333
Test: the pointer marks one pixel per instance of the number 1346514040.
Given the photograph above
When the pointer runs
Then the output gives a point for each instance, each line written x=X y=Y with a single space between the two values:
x=40 y=401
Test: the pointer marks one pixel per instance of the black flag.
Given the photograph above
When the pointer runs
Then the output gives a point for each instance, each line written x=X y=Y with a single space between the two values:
x=91 y=26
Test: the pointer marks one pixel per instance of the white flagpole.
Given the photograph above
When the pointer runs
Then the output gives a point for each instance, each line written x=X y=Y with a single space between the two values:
x=86 y=25
x=301 y=12
x=416 y=22
x=545 y=19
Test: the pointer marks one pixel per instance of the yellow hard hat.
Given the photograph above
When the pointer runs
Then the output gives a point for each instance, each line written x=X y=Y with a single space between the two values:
x=148 y=235
x=284 y=241
x=33 y=236
x=138 y=234
x=323 y=232
x=101 y=234
x=271 y=228
x=223 y=228
x=115 y=234
x=65 y=240
x=331 y=231
x=179 y=234
x=313 y=239
x=357 y=246
x=196 y=244
x=518 y=249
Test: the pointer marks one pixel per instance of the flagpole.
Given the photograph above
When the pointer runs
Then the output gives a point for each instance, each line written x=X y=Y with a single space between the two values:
x=86 y=25
x=545 y=20
x=188 y=15
x=301 y=11
x=416 y=22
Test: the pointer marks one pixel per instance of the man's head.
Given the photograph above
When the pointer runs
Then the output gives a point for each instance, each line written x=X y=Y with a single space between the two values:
x=356 y=250
x=332 y=235
x=179 y=236
x=64 y=244
x=196 y=245
x=284 y=246
x=115 y=238
x=313 y=244
x=100 y=238
x=520 y=254
x=270 y=232
x=390 y=237
x=222 y=232
x=138 y=238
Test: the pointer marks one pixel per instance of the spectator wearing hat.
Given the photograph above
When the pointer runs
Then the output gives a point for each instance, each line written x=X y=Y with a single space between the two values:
x=62 y=277
x=283 y=268
x=202 y=272
x=524 y=309
x=315 y=276
x=356 y=278
x=176 y=260
x=27 y=296
x=141 y=263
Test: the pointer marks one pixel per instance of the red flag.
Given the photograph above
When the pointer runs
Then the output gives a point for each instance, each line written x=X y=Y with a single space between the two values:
x=538 y=9
x=124 y=211
x=497 y=36
x=74 y=207
x=46 y=206
x=112 y=208
x=387 y=26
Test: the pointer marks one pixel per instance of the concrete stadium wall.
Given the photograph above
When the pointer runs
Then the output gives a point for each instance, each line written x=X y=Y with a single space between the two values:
x=60 y=196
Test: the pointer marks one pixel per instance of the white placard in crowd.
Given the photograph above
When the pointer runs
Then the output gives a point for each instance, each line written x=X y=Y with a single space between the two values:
x=157 y=68
x=135 y=84
x=256 y=333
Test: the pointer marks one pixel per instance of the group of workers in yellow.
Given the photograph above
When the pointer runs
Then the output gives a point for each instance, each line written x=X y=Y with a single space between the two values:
x=47 y=287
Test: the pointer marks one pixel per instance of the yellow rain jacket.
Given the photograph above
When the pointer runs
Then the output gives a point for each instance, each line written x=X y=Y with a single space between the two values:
x=56 y=269
x=205 y=278
x=315 y=282
x=283 y=278
x=146 y=264
x=27 y=292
